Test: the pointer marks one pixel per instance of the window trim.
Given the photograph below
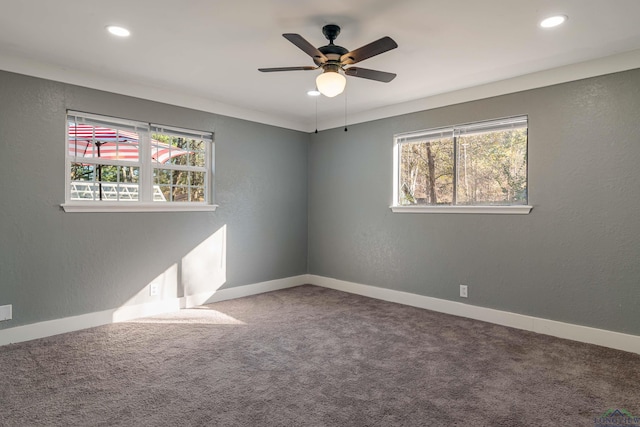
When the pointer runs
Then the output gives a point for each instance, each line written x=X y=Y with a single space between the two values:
x=137 y=207
x=146 y=170
x=491 y=209
x=406 y=137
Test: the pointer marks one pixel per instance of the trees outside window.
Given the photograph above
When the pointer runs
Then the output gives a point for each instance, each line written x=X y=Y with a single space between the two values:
x=478 y=164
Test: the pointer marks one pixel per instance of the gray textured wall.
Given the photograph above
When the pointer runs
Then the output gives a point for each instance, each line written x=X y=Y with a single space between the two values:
x=574 y=258
x=55 y=264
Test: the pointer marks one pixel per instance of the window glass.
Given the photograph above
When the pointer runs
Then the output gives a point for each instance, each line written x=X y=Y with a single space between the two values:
x=183 y=176
x=426 y=172
x=476 y=164
x=492 y=168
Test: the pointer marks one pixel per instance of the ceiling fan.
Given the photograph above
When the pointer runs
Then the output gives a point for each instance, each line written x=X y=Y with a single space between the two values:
x=333 y=58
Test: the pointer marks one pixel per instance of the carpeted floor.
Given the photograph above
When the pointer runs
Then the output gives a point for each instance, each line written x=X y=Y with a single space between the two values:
x=310 y=356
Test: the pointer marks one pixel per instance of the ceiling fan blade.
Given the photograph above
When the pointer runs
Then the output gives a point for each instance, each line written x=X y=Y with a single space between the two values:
x=269 y=70
x=306 y=47
x=367 y=51
x=365 y=73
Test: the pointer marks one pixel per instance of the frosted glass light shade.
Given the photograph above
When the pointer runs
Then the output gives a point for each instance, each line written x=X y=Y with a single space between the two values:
x=331 y=83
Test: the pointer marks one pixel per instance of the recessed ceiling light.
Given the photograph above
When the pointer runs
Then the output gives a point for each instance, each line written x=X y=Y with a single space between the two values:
x=313 y=93
x=553 y=21
x=118 y=31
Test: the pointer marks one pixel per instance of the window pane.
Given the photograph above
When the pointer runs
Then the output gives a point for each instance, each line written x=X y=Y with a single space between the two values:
x=162 y=176
x=129 y=174
x=107 y=173
x=180 y=177
x=196 y=145
x=83 y=186
x=84 y=191
x=197 y=159
x=127 y=192
x=492 y=168
x=116 y=183
x=196 y=179
x=179 y=194
x=168 y=149
x=197 y=194
x=426 y=173
x=80 y=172
x=164 y=193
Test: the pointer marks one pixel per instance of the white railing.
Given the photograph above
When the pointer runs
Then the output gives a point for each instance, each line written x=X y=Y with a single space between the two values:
x=113 y=191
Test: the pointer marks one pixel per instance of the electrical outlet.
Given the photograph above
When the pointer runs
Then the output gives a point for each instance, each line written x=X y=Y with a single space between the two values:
x=6 y=312
x=154 y=289
x=464 y=291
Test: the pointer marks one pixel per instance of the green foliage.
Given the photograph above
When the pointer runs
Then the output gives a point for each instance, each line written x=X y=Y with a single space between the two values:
x=104 y=173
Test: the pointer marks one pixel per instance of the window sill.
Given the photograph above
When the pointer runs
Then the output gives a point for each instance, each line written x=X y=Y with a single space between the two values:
x=505 y=210
x=137 y=207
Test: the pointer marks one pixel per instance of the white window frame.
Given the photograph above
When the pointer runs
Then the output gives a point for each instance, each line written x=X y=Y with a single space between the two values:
x=453 y=131
x=145 y=201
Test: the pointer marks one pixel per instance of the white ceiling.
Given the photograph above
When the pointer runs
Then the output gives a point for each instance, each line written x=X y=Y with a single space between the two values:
x=204 y=54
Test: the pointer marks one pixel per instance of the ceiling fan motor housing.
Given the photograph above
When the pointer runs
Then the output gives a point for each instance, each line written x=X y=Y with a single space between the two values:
x=331 y=51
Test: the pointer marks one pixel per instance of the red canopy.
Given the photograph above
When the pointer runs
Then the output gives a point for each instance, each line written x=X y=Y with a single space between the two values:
x=115 y=144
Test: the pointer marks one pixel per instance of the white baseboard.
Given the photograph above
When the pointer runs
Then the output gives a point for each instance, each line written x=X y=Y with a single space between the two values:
x=244 y=291
x=84 y=321
x=617 y=340
x=129 y=312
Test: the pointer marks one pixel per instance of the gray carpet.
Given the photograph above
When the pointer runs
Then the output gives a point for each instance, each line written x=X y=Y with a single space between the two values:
x=310 y=356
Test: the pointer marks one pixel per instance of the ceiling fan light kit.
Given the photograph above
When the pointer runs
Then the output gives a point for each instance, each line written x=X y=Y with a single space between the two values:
x=333 y=59
x=331 y=83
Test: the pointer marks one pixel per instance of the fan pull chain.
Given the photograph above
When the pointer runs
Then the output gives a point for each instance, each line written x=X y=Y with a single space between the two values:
x=345 y=110
x=317 y=113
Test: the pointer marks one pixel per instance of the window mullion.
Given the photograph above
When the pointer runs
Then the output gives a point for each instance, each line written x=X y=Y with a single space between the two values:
x=396 y=171
x=68 y=163
x=208 y=163
x=146 y=169
x=454 y=199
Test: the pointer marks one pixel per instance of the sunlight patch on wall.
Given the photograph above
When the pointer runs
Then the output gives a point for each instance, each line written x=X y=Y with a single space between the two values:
x=190 y=281
x=204 y=269
x=165 y=299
